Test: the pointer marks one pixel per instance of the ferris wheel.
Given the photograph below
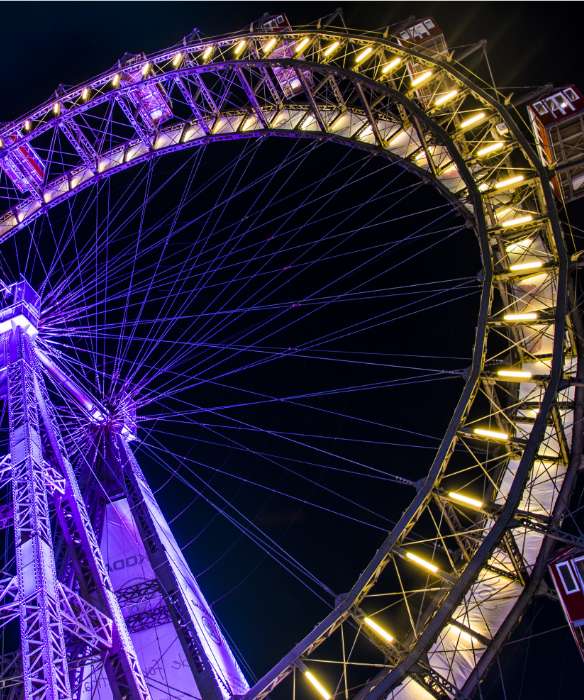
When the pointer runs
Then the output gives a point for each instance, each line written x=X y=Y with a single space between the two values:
x=283 y=310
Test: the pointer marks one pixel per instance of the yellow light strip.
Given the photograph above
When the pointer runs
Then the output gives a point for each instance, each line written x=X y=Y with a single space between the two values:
x=421 y=78
x=491 y=434
x=301 y=45
x=57 y=109
x=146 y=69
x=472 y=120
x=490 y=149
x=443 y=99
x=331 y=48
x=517 y=221
x=533 y=265
x=177 y=60
x=85 y=94
x=378 y=629
x=466 y=500
x=239 y=48
x=514 y=374
x=207 y=53
x=509 y=181
x=270 y=46
x=432 y=568
x=116 y=80
x=27 y=125
x=317 y=685
x=363 y=55
x=391 y=65
x=527 y=316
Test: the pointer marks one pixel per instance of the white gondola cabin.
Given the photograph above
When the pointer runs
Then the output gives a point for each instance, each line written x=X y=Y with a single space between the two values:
x=426 y=35
x=274 y=48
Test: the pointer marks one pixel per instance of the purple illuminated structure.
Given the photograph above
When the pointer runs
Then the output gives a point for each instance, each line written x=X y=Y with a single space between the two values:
x=22 y=165
x=149 y=99
x=93 y=607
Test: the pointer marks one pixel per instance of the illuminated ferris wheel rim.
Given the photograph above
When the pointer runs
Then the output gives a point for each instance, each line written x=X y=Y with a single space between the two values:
x=107 y=87
x=451 y=159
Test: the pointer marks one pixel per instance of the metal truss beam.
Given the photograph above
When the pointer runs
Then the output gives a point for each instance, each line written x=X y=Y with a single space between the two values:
x=44 y=664
x=166 y=560
x=186 y=93
x=80 y=619
x=121 y=663
x=251 y=96
x=79 y=142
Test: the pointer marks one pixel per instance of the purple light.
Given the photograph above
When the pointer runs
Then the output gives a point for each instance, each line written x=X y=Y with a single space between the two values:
x=22 y=165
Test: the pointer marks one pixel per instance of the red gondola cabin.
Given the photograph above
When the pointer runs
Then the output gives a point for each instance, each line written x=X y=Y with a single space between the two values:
x=557 y=122
x=567 y=572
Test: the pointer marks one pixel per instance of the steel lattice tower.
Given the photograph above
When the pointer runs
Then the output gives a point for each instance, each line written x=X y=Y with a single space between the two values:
x=69 y=606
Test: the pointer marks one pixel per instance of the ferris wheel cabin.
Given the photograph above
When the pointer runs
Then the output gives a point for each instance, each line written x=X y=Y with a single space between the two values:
x=567 y=572
x=273 y=48
x=424 y=34
x=557 y=122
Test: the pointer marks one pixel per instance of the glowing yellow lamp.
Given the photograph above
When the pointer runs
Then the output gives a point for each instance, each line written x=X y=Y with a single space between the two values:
x=301 y=45
x=424 y=563
x=514 y=374
x=421 y=78
x=330 y=49
x=239 y=48
x=391 y=65
x=317 y=685
x=532 y=265
x=270 y=46
x=465 y=500
x=472 y=120
x=509 y=182
x=490 y=149
x=491 y=434
x=363 y=55
x=378 y=629
x=445 y=98
x=526 y=316
x=208 y=52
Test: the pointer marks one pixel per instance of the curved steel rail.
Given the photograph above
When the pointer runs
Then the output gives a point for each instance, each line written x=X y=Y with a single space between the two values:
x=493 y=486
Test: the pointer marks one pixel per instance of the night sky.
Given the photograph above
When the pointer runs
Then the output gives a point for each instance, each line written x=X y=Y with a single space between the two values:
x=45 y=44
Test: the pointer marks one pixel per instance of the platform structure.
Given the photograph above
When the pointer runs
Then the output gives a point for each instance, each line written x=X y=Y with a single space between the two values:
x=106 y=604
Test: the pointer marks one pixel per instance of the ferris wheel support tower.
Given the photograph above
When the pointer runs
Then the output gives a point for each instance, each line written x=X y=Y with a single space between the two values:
x=50 y=611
